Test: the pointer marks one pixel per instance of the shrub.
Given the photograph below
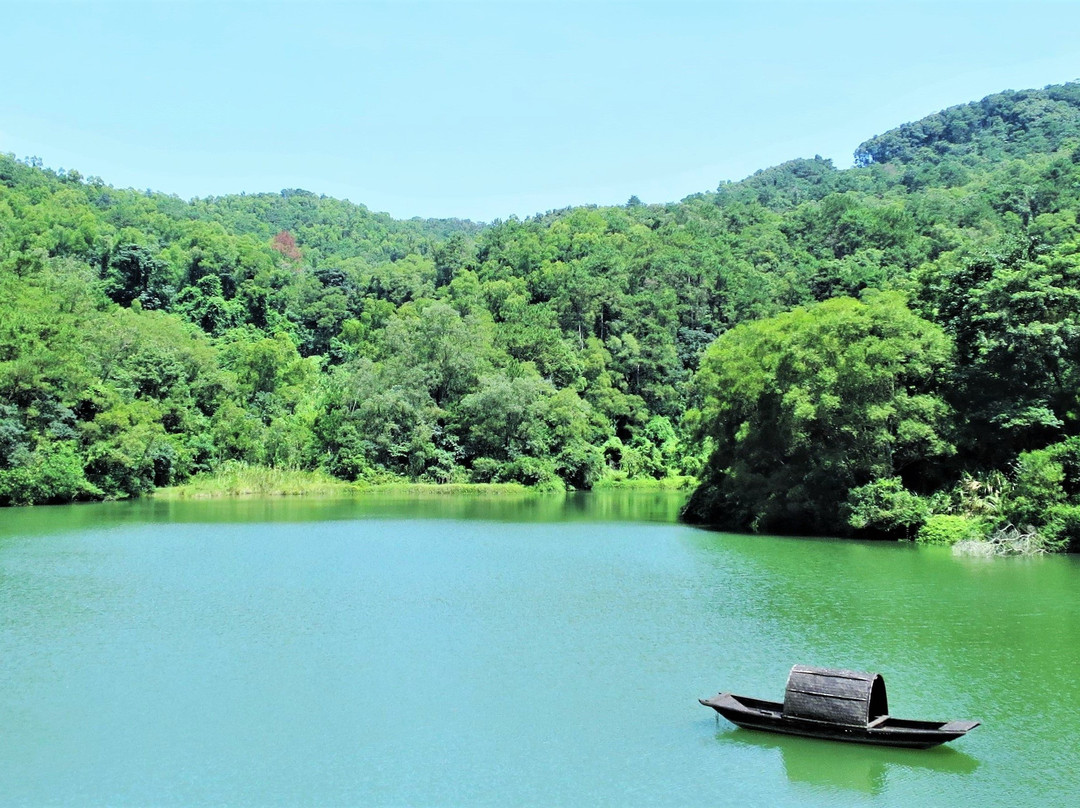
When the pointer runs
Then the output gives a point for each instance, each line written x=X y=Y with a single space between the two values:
x=50 y=474
x=885 y=506
x=943 y=528
x=1062 y=528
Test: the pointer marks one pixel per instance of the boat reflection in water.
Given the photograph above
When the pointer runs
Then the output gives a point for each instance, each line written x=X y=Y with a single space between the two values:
x=841 y=766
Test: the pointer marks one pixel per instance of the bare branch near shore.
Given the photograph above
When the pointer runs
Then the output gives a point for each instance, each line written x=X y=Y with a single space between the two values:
x=1007 y=541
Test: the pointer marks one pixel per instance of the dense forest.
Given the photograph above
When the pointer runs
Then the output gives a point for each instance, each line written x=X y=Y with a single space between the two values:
x=891 y=349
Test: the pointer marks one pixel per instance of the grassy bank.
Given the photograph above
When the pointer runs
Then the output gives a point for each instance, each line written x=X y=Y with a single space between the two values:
x=236 y=480
x=646 y=483
x=239 y=480
x=446 y=489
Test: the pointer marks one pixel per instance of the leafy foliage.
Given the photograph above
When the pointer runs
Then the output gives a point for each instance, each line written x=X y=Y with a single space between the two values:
x=949 y=528
x=810 y=405
x=890 y=343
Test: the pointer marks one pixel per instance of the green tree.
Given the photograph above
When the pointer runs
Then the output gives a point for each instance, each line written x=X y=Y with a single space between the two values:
x=504 y=418
x=135 y=273
x=811 y=404
x=447 y=351
x=1016 y=326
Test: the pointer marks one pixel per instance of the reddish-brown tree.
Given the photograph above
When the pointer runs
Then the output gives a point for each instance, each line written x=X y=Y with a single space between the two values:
x=285 y=244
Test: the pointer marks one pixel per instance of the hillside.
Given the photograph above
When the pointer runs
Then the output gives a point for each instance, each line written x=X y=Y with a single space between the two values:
x=1008 y=124
x=144 y=339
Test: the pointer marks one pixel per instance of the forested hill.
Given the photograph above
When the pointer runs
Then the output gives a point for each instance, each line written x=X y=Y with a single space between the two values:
x=327 y=227
x=1009 y=124
x=910 y=325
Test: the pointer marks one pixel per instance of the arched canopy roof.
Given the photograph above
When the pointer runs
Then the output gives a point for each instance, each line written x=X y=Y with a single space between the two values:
x=837 y=696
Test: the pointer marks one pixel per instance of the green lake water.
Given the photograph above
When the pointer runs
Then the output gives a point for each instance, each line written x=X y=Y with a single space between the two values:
x=542 y=651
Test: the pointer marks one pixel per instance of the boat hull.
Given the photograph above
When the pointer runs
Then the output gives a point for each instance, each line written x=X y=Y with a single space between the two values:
x=768 y=716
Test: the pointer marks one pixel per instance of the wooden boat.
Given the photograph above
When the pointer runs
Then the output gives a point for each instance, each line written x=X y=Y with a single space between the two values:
x=838 y=705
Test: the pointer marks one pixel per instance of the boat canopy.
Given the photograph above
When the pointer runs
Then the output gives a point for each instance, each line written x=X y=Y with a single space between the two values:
x=837 y=696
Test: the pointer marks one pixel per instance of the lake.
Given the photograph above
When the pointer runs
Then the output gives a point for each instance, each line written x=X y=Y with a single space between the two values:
x=509 y=651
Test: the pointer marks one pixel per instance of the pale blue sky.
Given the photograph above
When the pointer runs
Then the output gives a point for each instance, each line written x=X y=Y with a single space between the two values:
x=486 y=109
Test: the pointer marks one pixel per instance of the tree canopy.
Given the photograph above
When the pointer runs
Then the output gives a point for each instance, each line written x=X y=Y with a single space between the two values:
x=810 y=405
x=882 y=335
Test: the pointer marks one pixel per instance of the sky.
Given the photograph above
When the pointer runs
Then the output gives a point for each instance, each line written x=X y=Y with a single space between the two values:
x=484 y=110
